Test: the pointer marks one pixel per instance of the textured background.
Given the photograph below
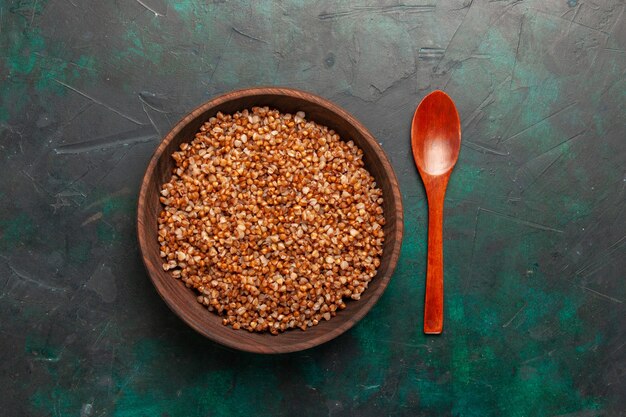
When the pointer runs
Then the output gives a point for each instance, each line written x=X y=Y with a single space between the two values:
x=535 y=231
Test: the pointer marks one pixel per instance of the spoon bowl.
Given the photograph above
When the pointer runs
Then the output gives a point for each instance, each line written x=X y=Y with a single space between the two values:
x=436 y=134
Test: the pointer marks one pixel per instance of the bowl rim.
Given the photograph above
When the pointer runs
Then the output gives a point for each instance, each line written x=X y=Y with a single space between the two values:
x=316 y=100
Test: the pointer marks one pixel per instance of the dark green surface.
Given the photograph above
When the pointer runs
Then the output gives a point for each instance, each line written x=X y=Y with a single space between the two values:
x=535 y=231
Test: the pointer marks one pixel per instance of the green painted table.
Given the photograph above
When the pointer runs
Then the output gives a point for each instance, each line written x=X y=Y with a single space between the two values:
x=535 y=233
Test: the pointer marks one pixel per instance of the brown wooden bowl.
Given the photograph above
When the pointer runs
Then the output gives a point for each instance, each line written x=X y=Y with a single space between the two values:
x=182 y=300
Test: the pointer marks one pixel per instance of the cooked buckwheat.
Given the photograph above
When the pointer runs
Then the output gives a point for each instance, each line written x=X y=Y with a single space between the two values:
x=272 y=218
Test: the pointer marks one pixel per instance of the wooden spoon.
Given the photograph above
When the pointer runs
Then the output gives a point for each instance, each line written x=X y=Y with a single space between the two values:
x=435 y=140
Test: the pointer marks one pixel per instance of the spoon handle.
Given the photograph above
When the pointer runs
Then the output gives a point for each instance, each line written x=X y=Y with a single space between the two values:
x=433 y=308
